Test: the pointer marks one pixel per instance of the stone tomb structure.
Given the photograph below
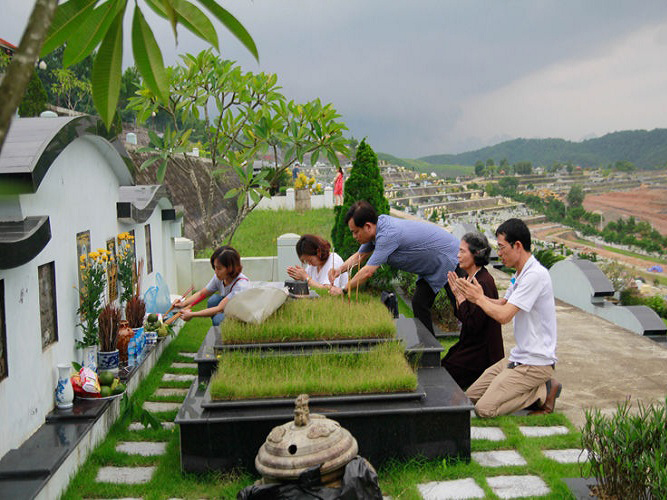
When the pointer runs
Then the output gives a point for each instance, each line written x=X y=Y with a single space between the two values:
x=433 y=421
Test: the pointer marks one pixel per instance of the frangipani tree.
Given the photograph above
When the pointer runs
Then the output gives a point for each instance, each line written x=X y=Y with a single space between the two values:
x=246 y=116
x=84 y=25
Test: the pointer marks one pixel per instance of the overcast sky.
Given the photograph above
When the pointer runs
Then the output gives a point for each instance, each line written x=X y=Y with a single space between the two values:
x=428 y=77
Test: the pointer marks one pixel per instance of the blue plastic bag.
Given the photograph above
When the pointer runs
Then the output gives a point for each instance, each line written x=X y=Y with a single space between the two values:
x=157 y=297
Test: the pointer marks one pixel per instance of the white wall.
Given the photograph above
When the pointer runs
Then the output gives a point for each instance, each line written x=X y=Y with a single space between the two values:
x=287 y=202
x=78 y=193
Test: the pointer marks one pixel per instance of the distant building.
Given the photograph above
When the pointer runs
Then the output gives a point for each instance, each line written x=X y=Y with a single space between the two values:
x=7 y=47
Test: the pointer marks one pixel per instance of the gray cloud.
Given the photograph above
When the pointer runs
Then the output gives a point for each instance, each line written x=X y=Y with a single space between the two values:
x=443 y=76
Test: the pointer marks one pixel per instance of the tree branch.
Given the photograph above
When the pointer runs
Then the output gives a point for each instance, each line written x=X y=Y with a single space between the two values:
x=19 y=71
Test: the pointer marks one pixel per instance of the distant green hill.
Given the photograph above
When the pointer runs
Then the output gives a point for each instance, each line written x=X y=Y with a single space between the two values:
x=423 y=166
x=645 y=149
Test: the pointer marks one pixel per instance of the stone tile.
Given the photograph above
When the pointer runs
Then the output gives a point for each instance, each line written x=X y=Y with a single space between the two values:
x=138 y=426
x=143 y=448
x=489 y=433
x=536 y=431
x=174 y=377
x=456 y=489
x=159 y=407
x=170 y=391
x=567 y=456
x=184 y=365
x=498 y=458
x=188 y=354
x=518 y=486
x=125 y=475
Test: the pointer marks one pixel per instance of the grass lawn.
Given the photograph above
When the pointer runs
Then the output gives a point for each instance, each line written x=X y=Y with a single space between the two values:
x=327 y=318
x=258 y=234
x=251 y=375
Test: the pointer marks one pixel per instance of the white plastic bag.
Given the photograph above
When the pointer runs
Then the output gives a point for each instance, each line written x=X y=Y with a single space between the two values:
x=254 y=305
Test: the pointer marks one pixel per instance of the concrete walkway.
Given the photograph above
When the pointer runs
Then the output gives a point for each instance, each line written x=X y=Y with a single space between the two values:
x=599 y=363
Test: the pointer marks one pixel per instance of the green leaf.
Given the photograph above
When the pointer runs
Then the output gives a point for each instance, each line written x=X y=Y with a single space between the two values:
x=76 y=366
x=161 y=171
x=314 y=157
x=149 y=162
x=254 y=196
x=67 y=19
x=231 y=193
x=234 y=27
x=107 y=71
x=90 y=33
x=165 y=9
x=196 y=21
x=240 y=202
x=148 y=57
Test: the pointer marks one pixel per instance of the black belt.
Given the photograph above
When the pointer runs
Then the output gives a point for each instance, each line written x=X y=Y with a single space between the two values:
x=514 y=364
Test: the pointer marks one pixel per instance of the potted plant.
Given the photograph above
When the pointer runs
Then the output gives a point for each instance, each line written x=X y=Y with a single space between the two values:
x=627 y=451
x=93 y=282
x=108 y=324
x=302 y=186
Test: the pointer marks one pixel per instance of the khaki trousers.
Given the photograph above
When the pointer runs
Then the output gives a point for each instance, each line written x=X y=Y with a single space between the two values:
x=501 y=390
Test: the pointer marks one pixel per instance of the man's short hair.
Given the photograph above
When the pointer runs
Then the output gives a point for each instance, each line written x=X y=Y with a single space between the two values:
x=515 y=230
x=361 y=212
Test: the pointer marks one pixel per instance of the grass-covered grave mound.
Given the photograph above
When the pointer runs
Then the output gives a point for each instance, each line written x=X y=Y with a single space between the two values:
x=253 y=375
x=324 y=318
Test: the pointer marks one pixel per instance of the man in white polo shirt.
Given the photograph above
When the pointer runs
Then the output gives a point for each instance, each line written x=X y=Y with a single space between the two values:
x=526 y=377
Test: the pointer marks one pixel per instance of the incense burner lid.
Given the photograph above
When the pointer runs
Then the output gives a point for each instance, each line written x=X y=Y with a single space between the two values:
x=307 y=441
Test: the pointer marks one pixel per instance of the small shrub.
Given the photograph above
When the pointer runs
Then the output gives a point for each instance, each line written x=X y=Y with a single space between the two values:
x=547 y=257
x=442 y=311
x=628 y=453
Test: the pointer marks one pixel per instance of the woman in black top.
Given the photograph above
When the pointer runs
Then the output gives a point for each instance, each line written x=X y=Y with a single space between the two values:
x=480 y=343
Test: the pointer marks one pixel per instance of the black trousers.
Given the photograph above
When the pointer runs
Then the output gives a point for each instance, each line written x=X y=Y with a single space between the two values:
x=422 y=301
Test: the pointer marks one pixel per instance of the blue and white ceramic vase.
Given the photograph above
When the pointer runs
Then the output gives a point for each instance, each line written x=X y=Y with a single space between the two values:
x=64 y=391
x=108 y=361
x=89 y=355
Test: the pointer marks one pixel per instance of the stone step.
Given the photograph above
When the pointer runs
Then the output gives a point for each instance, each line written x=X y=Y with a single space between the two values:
x=170 y=391
x=497 y=458
x=138 y=426
x=188 y=354
x=567 y=456
x=178 y=377
x=160 y=407
x=143 y=448
x=537 y=431
x=488 y=433
x=184 y=365
x=455 y=489
x=125 y=475
x=518 y=486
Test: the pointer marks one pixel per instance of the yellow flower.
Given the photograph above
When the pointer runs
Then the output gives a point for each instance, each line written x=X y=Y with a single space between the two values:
x=82 y=267
x=82 y=258
x=93 y=255
x=101 y=250
x=104 y=258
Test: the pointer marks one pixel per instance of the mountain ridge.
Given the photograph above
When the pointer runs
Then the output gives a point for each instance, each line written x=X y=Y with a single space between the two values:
x=644 y=148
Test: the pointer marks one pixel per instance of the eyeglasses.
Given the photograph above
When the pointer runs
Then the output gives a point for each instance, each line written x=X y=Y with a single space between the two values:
x=502 y=248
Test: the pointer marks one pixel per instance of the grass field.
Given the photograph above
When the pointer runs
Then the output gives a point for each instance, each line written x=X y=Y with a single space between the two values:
x=258 y=234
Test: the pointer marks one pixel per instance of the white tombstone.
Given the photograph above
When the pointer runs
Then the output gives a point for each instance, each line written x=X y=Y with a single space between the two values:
x=131 y=138
x=287 y=254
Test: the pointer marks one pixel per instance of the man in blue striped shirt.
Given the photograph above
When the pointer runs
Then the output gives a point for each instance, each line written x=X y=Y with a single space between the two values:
x=417 y=247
